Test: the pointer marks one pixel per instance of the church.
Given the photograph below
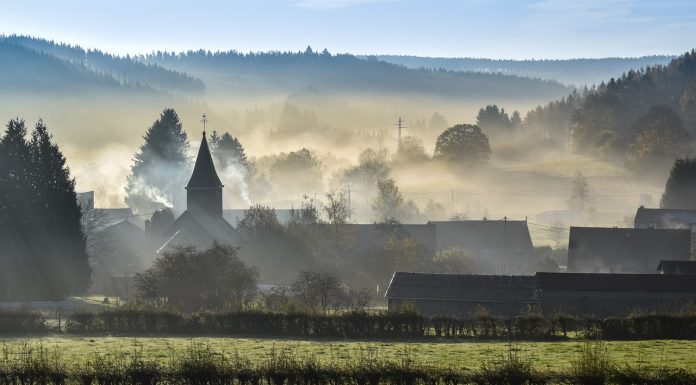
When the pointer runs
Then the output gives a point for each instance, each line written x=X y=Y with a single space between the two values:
x=202 y=223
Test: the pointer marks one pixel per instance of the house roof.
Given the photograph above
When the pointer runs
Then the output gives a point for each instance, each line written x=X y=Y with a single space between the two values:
x=624 y=250
x=204 y=174
x=508 y=236
x=677 y=267
x=108 y=217
x=615 y=282
x=200 y=231
x=463 y=287
x=665 y=218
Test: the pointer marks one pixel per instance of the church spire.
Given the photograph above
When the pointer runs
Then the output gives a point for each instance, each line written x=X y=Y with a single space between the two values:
x=204 y=189
x=204 y=174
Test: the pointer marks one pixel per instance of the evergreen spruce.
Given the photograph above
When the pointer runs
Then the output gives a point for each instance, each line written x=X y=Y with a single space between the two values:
x=16 y=198
x=160 y=167
x=44 y=251
x=680 y=189
x=228 y=151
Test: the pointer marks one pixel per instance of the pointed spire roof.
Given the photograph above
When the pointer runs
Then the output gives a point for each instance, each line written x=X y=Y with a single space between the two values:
x=204 y=174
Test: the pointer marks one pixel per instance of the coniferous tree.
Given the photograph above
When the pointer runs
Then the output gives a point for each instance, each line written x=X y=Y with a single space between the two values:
x=493 y=120
x=228 y=150
x=58 y=220
x=161 y=167
x=159 y=223
x=16 y=197
x=44 y=249
x=680 y=189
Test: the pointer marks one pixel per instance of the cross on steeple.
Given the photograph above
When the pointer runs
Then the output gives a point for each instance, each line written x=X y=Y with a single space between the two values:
x=204 y=120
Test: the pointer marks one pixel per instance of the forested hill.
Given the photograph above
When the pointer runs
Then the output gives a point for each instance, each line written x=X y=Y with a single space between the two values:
x=642 y=117
x=577 y=72
x=37 y=64
x=29 y=71
x=294 y=71
x=234 y=73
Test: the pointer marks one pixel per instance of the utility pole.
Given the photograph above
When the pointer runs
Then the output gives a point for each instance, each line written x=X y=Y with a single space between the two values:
x=349 y=208
x=505 y=254
x=399 y=125
x=452 y=204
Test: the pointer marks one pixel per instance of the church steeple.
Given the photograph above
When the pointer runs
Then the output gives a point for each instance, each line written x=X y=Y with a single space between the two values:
x=204 y=189
x=204 y=174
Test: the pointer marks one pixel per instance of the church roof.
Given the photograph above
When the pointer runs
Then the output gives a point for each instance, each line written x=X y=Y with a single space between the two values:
x=199 y=231
x=204 y=174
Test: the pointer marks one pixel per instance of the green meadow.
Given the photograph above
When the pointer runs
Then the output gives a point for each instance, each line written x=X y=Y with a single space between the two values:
x=557 y=356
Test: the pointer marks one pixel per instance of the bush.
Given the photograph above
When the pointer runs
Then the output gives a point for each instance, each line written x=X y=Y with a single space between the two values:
x=21 y=321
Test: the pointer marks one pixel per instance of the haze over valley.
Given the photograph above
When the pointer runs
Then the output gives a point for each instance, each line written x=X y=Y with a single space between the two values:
x=337 y=106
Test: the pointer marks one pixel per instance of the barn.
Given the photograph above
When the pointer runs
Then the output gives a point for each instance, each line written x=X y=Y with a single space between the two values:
x=592 y=294
x=457 y=295
x=624 y=250
x=505 y=244
x=677 y=267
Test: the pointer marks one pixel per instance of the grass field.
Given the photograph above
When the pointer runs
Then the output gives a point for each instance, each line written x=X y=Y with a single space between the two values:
x=544 y=355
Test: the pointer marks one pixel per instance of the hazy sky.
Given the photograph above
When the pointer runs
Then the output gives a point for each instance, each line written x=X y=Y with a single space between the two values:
x=472 y=28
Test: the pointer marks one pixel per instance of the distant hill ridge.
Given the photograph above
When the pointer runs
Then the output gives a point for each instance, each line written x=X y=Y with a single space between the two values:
x=578 y=72
x=234 y=73
x=122 y=70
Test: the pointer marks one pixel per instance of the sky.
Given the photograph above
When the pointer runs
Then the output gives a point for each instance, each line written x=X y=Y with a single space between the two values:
x=525 y=29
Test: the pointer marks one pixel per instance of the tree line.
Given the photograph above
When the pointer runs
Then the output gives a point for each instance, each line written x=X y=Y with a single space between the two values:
x=643 y=119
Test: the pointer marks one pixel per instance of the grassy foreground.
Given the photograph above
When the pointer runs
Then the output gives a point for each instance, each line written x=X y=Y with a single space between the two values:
x=555 y=356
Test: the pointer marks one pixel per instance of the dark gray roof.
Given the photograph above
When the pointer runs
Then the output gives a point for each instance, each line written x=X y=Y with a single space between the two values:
x=624 y=250
x=497 y=236
x=664 y=218
x=108 y=217
x=368 y=237
x=464 y=287
x=204 y=174
x=677 y=267
x=615 y=282
x=200 y=231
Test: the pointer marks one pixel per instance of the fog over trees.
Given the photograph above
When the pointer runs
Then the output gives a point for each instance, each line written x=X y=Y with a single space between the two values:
x=331 y=158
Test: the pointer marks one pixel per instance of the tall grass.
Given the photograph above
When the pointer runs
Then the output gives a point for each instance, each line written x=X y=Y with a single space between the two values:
x=201 y=365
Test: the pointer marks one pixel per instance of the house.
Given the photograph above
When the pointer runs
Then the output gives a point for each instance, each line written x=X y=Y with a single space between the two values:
x=665 y=219
x=580 y=294
x=458 y=295
x=99 y=218
x=601 y=295
x=202 y=223
x=505 y=244
x=365 y=238
x=677 y=267
x=624 y=250
x=118 y=251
